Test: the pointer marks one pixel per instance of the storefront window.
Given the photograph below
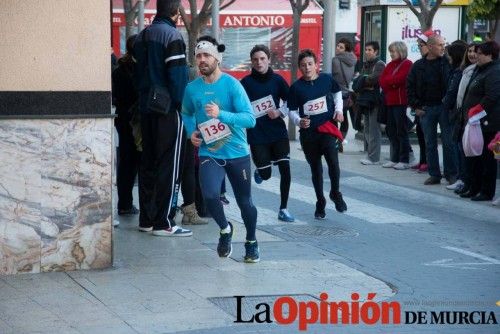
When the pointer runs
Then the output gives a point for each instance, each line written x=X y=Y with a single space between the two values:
x=373 y=28
x=239 y=42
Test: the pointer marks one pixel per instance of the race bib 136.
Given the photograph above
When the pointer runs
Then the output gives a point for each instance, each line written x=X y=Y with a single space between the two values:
x=213 y=130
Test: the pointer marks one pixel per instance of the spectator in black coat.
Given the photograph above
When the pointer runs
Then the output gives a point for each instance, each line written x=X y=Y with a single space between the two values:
x=483 y=93
x=124 y=98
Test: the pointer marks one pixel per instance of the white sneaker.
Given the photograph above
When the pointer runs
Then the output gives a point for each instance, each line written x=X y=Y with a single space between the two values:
x=389 y=164
x=455 y=185
x=175 y=231
x=368 y=162
x=496 y=201
x=116 y=223
x=401 y=166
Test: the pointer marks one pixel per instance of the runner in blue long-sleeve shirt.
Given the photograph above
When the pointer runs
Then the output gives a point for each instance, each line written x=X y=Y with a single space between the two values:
x=216 y=111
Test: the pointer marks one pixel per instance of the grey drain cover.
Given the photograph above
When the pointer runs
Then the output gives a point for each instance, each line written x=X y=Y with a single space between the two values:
x=320 y=231
x=248 y=303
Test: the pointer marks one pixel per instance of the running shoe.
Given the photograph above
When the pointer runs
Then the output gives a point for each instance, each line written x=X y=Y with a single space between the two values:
x=368 y=162
x=401 y=166
x=456 y=185
x=175 y=231
x=389 y=164
x=320 y=209
x=340 y=204
x=285 y=216
x=224 y=248
x=256 y=177
x=251 y=252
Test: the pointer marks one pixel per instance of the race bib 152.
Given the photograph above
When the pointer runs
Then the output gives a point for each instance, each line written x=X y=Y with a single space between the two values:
x=263 y=105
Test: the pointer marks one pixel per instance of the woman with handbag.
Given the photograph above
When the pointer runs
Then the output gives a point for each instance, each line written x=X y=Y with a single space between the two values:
x=393 y=84
x=343 y=71
x=367 y=87
x=482 y=99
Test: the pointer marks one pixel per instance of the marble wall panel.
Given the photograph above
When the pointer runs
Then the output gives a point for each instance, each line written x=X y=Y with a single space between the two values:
x=55 y=195
x=19 y=197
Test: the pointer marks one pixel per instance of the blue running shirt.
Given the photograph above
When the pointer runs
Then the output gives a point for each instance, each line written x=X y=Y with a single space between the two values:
x=235 y=113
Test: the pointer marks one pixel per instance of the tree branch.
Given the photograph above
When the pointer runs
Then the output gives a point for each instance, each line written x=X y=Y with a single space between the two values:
x=412 y=8
x=135 y=8
x=435 y=8
x=193 y=8
x=227 y=4
x=185 y=19
x=424 y=8
x=205 y=12
x=206 y=6
x=304 y=6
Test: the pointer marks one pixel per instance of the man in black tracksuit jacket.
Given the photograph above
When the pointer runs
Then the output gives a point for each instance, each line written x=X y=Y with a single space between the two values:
x=160 y=52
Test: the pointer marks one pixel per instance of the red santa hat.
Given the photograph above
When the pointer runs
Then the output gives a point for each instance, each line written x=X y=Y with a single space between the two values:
x=424 y=36
x=330 y=129
x=476 y=113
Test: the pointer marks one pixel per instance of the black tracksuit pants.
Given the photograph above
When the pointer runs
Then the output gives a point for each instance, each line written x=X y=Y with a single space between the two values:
x=163 y=141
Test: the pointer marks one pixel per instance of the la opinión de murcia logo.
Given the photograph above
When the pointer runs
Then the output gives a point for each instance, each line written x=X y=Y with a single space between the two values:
x=287 y=311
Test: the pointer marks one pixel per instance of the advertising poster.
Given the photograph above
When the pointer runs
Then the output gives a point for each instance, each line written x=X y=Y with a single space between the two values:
x=403 y=25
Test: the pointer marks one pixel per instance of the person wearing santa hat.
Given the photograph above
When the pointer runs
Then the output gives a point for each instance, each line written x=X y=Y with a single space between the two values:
x=421 y=167
x=482 y=104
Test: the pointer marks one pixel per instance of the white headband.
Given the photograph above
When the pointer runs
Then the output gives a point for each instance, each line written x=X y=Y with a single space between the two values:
x=207 y=47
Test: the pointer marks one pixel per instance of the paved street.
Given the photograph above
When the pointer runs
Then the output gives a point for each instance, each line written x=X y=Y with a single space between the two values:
x=421 y=246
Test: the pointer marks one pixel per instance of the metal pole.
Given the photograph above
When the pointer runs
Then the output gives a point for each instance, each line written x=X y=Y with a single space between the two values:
x=215 y=19
x=140 y=15
x=328 y=34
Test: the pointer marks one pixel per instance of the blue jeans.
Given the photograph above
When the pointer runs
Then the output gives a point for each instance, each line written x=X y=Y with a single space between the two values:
x=212 y=173
x=433 y=116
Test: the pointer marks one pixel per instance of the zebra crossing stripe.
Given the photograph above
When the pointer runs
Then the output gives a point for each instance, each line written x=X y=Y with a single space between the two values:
x=358 y=209
x=264 y=215
x=458 y=206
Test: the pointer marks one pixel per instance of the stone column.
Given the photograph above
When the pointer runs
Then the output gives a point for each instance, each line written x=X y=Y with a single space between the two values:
x=55 y=136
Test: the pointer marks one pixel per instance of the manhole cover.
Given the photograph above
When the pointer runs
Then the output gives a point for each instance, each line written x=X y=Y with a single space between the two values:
x=320 y=231
x=248 y=303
